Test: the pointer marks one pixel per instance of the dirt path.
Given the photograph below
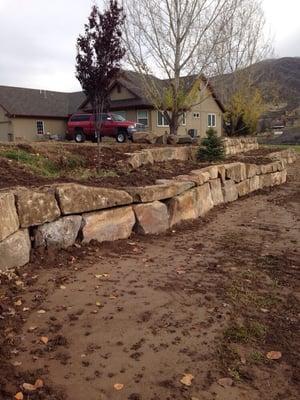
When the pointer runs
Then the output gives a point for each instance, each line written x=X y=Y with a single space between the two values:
x=208 y=299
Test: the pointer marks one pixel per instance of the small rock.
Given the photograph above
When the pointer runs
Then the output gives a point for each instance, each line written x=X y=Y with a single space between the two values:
x=187 y=379
x=225 y=382
x=274 y=355
x=118 y=386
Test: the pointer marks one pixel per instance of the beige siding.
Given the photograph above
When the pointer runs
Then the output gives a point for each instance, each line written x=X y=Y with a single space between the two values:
x=122 y=94
x=25 y=128
x=5 y=126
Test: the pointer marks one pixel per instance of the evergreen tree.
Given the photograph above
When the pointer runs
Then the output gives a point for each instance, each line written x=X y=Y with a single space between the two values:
x=211 y=148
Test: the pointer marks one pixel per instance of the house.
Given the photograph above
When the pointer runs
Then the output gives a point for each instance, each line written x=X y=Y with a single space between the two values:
x=127 y=99
x=28 y=114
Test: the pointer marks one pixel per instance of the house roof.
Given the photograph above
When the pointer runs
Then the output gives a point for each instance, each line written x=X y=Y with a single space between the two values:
x=32 y=102
x=134 y=82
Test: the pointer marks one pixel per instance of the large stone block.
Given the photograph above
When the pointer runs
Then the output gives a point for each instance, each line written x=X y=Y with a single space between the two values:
x=267 y=168
x=204 y=176
x=76 y=199
x=216 y=191
x=251 y=170
x=108 y=225
x=9 y=222
x=254 y=183
x=236 y=171
x=15 y=250
x=243 y=188
x=61 y=233
x=183 y=207
x=35 y=207
x=277 y=178
x=151 y=218
x=229 y=190
x=198 y=180
x=222 y=172
x=203 y=199
x=265 y=181
x=145 y=194
x=212 y=170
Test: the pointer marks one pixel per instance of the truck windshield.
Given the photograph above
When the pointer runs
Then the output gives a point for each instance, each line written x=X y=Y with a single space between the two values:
x=117 y=117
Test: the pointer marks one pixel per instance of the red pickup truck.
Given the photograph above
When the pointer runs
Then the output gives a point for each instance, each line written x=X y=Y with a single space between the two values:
x=81 y=127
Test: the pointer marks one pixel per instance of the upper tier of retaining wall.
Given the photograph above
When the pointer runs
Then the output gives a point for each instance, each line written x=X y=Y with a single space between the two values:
x=183 y=153
x=58 y=215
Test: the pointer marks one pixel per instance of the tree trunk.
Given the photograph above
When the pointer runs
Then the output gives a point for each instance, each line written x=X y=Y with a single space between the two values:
x=174 y=124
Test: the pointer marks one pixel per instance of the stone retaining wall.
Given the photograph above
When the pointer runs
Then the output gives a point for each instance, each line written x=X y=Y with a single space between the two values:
x=59 y=215
x=183 y=153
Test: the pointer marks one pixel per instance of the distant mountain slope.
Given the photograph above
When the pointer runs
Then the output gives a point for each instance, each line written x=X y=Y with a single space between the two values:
x=281 y=75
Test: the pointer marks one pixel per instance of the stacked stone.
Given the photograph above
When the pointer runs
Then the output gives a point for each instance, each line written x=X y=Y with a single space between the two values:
x=239 y=145
x=60 y=215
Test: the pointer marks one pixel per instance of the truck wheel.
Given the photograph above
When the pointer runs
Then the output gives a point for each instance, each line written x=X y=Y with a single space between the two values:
x=121 y=137
x=79 y=136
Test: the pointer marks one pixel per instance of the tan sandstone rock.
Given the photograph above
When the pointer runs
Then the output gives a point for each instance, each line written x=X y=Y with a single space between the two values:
x=265 y=181
x=183 y=207
x=76 y=199
x=254 y=183
x=229 y=190
x=251 y=170
x=243 y=188
x=61 y=233
x=35 y=207
x=151 y=218
x=145 y=194
x=278 y=178
x=197 y=179
x=203 y=199
x=213 y=171
x=15 y=250
x=216 y=191
x=108 y=225
x=204 y=175
x=9 y=222
x=236 y=171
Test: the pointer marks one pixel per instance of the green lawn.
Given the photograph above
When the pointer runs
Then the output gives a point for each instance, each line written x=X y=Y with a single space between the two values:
x=285 y=146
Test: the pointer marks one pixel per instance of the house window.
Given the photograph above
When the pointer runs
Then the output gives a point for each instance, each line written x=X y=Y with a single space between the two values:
x=196 y=115
x=161 y=119
x=142 y=117
x=183 y=119
x=211 y=120
x=40 y=130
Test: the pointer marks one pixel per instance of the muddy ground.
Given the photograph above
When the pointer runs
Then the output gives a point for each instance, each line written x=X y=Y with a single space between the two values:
x=210 y=298
x=111 y=174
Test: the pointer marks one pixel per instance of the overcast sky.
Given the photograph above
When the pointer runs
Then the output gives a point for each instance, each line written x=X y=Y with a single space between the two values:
x=38 y=38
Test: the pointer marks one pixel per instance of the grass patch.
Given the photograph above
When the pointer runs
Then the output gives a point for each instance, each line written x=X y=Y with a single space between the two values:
x=239 y=294
x=285 y=146
x=245 y=333
x=256 y=357
x=85 y=174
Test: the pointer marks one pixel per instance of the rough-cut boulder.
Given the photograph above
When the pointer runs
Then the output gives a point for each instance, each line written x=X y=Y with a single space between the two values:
x=108 y=225
x=213 y=171
x=35 y=207
x=76 y=199
x=251 y=170
x=186 y=139
x=145 y=194
x=204 y=199
x=172 y=139
x=9 y=222
x=277 y=178
x=197 y=179
x=15 y=250
x=267 y=168
x=229 y=191
x=236 y=171
x=243 y=188
x=216 y=191
x=183 y=207
x=148 y=137
x=265 y=181
x=204 y=176
x=254 y=183
x=61 y=233
x=151 y=218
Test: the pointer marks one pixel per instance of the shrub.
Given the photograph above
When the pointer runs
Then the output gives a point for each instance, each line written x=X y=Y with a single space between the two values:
x=211 y=148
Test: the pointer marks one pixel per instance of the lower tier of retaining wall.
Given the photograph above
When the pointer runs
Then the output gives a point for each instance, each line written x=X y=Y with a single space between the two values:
x=62 y=214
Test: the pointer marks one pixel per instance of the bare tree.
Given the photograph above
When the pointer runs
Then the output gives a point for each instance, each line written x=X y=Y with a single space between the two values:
x=172 y=39
x=99 y=53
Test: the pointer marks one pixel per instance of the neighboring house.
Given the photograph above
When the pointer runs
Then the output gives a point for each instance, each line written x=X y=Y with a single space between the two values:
x=27 y=114
x=128 y=100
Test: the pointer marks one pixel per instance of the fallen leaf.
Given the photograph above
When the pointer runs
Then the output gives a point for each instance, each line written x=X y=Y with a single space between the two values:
x=180 y=271
x=98 y=304
x=44 y=339
x=187 y=379
x=26 y=309
x=112 y=296
x=16 y=363
x=39 y=383
x=19 y=396
x=32 y=328
x=18 y=303
x=62 y=287
x=19 y=283
x=41 y=312
x=29 y=387
x=225 y=382
x=264 y=310
x=274 y=355
x=118 y=386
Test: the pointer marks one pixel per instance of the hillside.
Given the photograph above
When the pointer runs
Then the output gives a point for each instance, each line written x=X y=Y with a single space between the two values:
x=273 y=76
